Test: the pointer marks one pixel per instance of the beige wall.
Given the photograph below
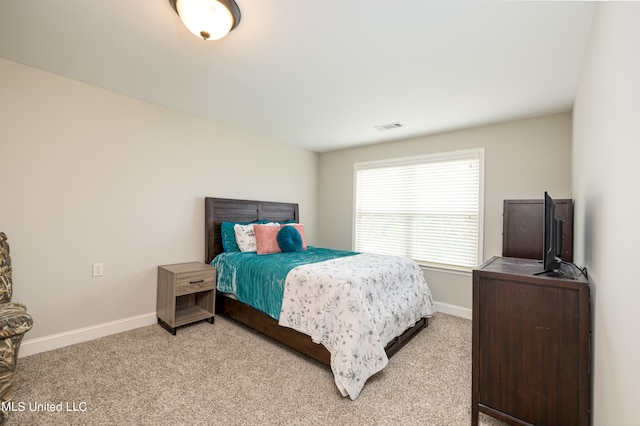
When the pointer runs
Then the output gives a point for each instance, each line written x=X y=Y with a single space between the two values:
x=522 y=160
x=606 y=150
x=90 y=176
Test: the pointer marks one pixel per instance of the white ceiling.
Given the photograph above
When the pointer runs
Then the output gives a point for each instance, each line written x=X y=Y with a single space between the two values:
x=318 y=74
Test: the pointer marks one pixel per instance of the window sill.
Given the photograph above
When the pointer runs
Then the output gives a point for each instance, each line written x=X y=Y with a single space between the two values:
x=451 y=269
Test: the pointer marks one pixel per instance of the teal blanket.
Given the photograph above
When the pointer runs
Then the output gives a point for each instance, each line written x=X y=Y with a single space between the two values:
x=258 y=279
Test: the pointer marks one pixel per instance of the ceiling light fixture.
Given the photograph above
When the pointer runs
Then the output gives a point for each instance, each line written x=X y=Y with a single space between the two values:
x=208 y=19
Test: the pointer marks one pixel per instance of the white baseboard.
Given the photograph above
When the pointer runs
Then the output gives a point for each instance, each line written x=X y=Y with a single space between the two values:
x=55 y=341
x=60 y=340
x=458 y=311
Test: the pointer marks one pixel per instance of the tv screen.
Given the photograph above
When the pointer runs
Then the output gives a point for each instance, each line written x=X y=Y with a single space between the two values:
x=552 y=237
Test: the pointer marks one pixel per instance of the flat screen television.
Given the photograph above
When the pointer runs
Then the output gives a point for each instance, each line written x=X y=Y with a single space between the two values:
x=551 y=239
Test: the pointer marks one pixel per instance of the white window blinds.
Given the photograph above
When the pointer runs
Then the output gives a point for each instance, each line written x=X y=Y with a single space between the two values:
x=426 y=208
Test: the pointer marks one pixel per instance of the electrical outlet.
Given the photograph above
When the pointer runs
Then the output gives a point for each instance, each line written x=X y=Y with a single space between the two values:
x=98 y=269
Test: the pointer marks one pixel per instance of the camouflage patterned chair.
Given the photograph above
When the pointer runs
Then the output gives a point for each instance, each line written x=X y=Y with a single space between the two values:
x=14 y=322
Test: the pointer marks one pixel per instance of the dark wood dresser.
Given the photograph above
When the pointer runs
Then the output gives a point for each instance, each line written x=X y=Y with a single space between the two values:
x=531 y=344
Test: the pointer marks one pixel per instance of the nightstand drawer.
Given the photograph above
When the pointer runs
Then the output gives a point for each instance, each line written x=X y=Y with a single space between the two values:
x=187 y=283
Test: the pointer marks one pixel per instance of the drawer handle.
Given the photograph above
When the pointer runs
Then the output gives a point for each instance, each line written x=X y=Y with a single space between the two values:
x=196 y=282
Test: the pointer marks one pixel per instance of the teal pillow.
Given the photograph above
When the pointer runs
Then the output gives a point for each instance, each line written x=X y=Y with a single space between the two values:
x=289 y=239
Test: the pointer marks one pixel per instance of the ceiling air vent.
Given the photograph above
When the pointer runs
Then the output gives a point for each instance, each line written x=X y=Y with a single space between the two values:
x=389 y=126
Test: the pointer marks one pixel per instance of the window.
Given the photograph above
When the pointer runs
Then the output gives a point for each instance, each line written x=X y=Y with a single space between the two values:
x=427 y=208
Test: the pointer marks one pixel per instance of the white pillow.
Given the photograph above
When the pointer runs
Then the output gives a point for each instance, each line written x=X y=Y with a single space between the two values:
x=246 y=237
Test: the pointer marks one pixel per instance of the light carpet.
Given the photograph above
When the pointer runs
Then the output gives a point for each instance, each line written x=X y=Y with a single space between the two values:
x=227 y=374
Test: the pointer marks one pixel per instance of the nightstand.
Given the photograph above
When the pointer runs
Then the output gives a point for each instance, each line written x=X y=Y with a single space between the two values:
x=186 y=294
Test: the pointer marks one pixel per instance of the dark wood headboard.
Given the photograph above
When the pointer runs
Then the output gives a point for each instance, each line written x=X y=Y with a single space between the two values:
x=218 y=210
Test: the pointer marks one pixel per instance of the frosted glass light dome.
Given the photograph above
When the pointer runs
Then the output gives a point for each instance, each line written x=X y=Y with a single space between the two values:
x=207 y=19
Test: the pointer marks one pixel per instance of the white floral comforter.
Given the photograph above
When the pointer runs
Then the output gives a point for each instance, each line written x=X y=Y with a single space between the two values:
x=355 y=306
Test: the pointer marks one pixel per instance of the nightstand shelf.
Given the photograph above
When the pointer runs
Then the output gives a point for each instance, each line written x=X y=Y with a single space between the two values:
x=191 y=314
x=186 y=294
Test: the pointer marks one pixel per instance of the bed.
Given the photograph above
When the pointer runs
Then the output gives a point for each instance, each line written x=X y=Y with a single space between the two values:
x=219 y=210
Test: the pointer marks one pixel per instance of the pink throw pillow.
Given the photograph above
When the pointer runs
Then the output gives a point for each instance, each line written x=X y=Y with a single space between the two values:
x=267 y=238
x=300 y=228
